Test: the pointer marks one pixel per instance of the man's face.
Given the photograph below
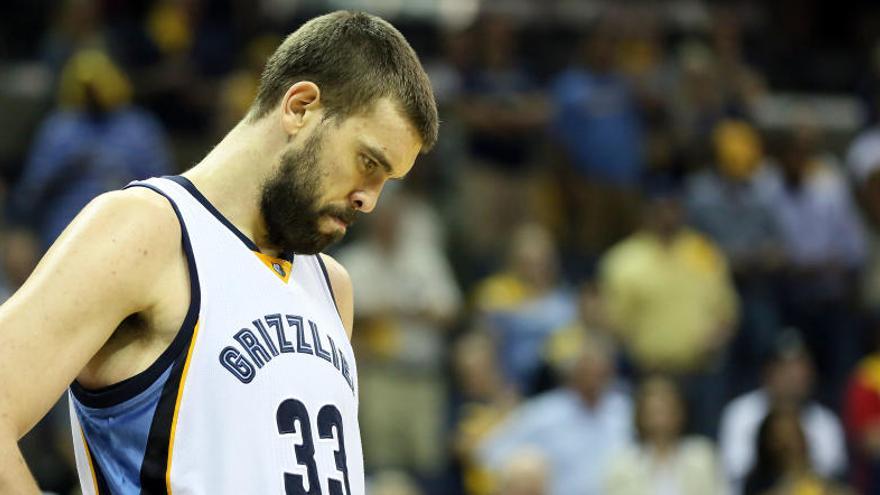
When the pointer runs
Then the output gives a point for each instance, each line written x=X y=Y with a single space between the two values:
x=790 y=380
x=337 y=171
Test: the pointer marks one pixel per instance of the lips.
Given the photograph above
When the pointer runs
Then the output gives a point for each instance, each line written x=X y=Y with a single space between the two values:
x=339 y=221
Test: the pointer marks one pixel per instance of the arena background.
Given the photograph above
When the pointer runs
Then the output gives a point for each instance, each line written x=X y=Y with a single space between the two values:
x=643 y=257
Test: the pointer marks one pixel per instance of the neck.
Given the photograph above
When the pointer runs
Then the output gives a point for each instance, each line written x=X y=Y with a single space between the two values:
x=231 y=177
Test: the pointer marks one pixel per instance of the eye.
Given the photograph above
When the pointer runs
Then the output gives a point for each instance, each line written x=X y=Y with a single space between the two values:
x=369 y=164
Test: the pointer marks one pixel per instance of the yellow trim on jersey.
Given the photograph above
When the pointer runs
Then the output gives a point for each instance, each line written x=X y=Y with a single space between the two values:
x=89 y=458
x=189 y=352
x=276 y=264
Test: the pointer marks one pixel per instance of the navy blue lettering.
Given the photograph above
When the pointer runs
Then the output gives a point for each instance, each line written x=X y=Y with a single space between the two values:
x=301 y=344
x=345 y=371
x=237 y=364
x=262 y=329
x=319 y=351
x=333 y=352
x=274 y=321
x=253 y=347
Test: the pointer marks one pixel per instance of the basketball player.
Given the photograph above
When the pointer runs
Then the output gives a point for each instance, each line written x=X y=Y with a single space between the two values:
x=204 y=338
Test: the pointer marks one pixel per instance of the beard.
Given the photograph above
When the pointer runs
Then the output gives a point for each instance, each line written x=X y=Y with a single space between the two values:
x=289 y=202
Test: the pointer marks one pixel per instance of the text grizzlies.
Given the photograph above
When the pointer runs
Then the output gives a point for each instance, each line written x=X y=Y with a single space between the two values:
x=292 y=335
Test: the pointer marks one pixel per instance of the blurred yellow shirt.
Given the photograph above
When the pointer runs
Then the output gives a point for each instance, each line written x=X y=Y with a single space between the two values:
x=501 y=291
x=668 y=300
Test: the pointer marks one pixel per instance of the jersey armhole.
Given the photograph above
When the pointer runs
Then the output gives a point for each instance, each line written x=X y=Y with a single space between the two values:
x=329 y=286
x=131 y=387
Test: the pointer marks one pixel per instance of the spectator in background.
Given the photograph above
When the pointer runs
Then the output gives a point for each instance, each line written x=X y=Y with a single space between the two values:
x=729 y=203
x=485 y=399
x=712 y=82
x=670 y=300
x=400 y=339
x=76 y=24
x=525 y=303
x=449 y=69
x=861 y=417
x=788 y=380
x=575 y=427
x=591 y=320
x=783 y=465
x=502 y=109
x=696 y=102
x=664 y=460
x=824 y=247
x=183 y=48
x=238 y=89
x=96 y=141
x=740 y=85
x=597 y=126
x=863 y=163
x=450 y=158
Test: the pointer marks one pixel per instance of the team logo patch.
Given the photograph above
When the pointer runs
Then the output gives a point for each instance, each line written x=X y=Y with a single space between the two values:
x=280 y=269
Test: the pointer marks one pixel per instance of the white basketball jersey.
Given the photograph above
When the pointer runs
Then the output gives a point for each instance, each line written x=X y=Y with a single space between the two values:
x=257 y=394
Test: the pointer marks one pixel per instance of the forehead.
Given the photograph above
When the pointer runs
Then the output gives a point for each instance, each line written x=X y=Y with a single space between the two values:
x=384 y=128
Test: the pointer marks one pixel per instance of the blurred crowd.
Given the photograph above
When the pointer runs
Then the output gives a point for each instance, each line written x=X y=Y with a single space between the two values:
x=644 y=257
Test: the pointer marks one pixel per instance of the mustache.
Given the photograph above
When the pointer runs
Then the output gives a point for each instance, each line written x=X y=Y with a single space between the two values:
x=347 y=215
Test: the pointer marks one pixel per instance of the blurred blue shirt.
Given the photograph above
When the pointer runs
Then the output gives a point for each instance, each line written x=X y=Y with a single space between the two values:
x=77 y=156
x=597 y=121
x=522 y=332
x=737 y=215
x=577 y=441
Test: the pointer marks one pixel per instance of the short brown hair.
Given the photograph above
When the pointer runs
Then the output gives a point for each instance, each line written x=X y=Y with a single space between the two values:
x=355 y=58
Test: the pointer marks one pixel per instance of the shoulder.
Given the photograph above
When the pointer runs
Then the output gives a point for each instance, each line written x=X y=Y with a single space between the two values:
x=820 y=416
x=111 y=256
x=702 y=251
x=131 y=233
x=136 y=215
x=340 y=282
x=626 y=257
x=548 y=409
x=748 y=407
x=135 y=228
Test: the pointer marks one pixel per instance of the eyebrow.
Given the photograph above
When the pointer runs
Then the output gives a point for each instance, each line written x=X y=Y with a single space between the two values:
x=380 y=157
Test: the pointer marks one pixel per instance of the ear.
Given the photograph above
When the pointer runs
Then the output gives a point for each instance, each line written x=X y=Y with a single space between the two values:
x=300 y=99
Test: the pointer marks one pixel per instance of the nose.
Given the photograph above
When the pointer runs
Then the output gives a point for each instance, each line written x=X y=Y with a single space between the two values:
x=364 y=200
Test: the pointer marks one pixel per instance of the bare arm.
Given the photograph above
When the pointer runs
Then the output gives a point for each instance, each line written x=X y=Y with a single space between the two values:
x=341 y=283
x=98 y=272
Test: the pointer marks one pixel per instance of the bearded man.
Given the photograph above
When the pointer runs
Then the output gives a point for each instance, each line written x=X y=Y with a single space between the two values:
x=203 y=337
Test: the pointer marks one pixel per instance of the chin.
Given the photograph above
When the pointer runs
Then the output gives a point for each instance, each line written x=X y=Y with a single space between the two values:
x=317 y=244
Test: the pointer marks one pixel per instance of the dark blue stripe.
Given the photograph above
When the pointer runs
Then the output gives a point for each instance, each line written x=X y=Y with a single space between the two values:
x=329 y=285
x=100 y=479
x=193 y=190
x=155 y=463
x=120 y=392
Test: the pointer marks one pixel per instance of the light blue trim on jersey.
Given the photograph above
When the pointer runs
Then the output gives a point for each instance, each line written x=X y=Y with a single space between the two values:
x=117 y=435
